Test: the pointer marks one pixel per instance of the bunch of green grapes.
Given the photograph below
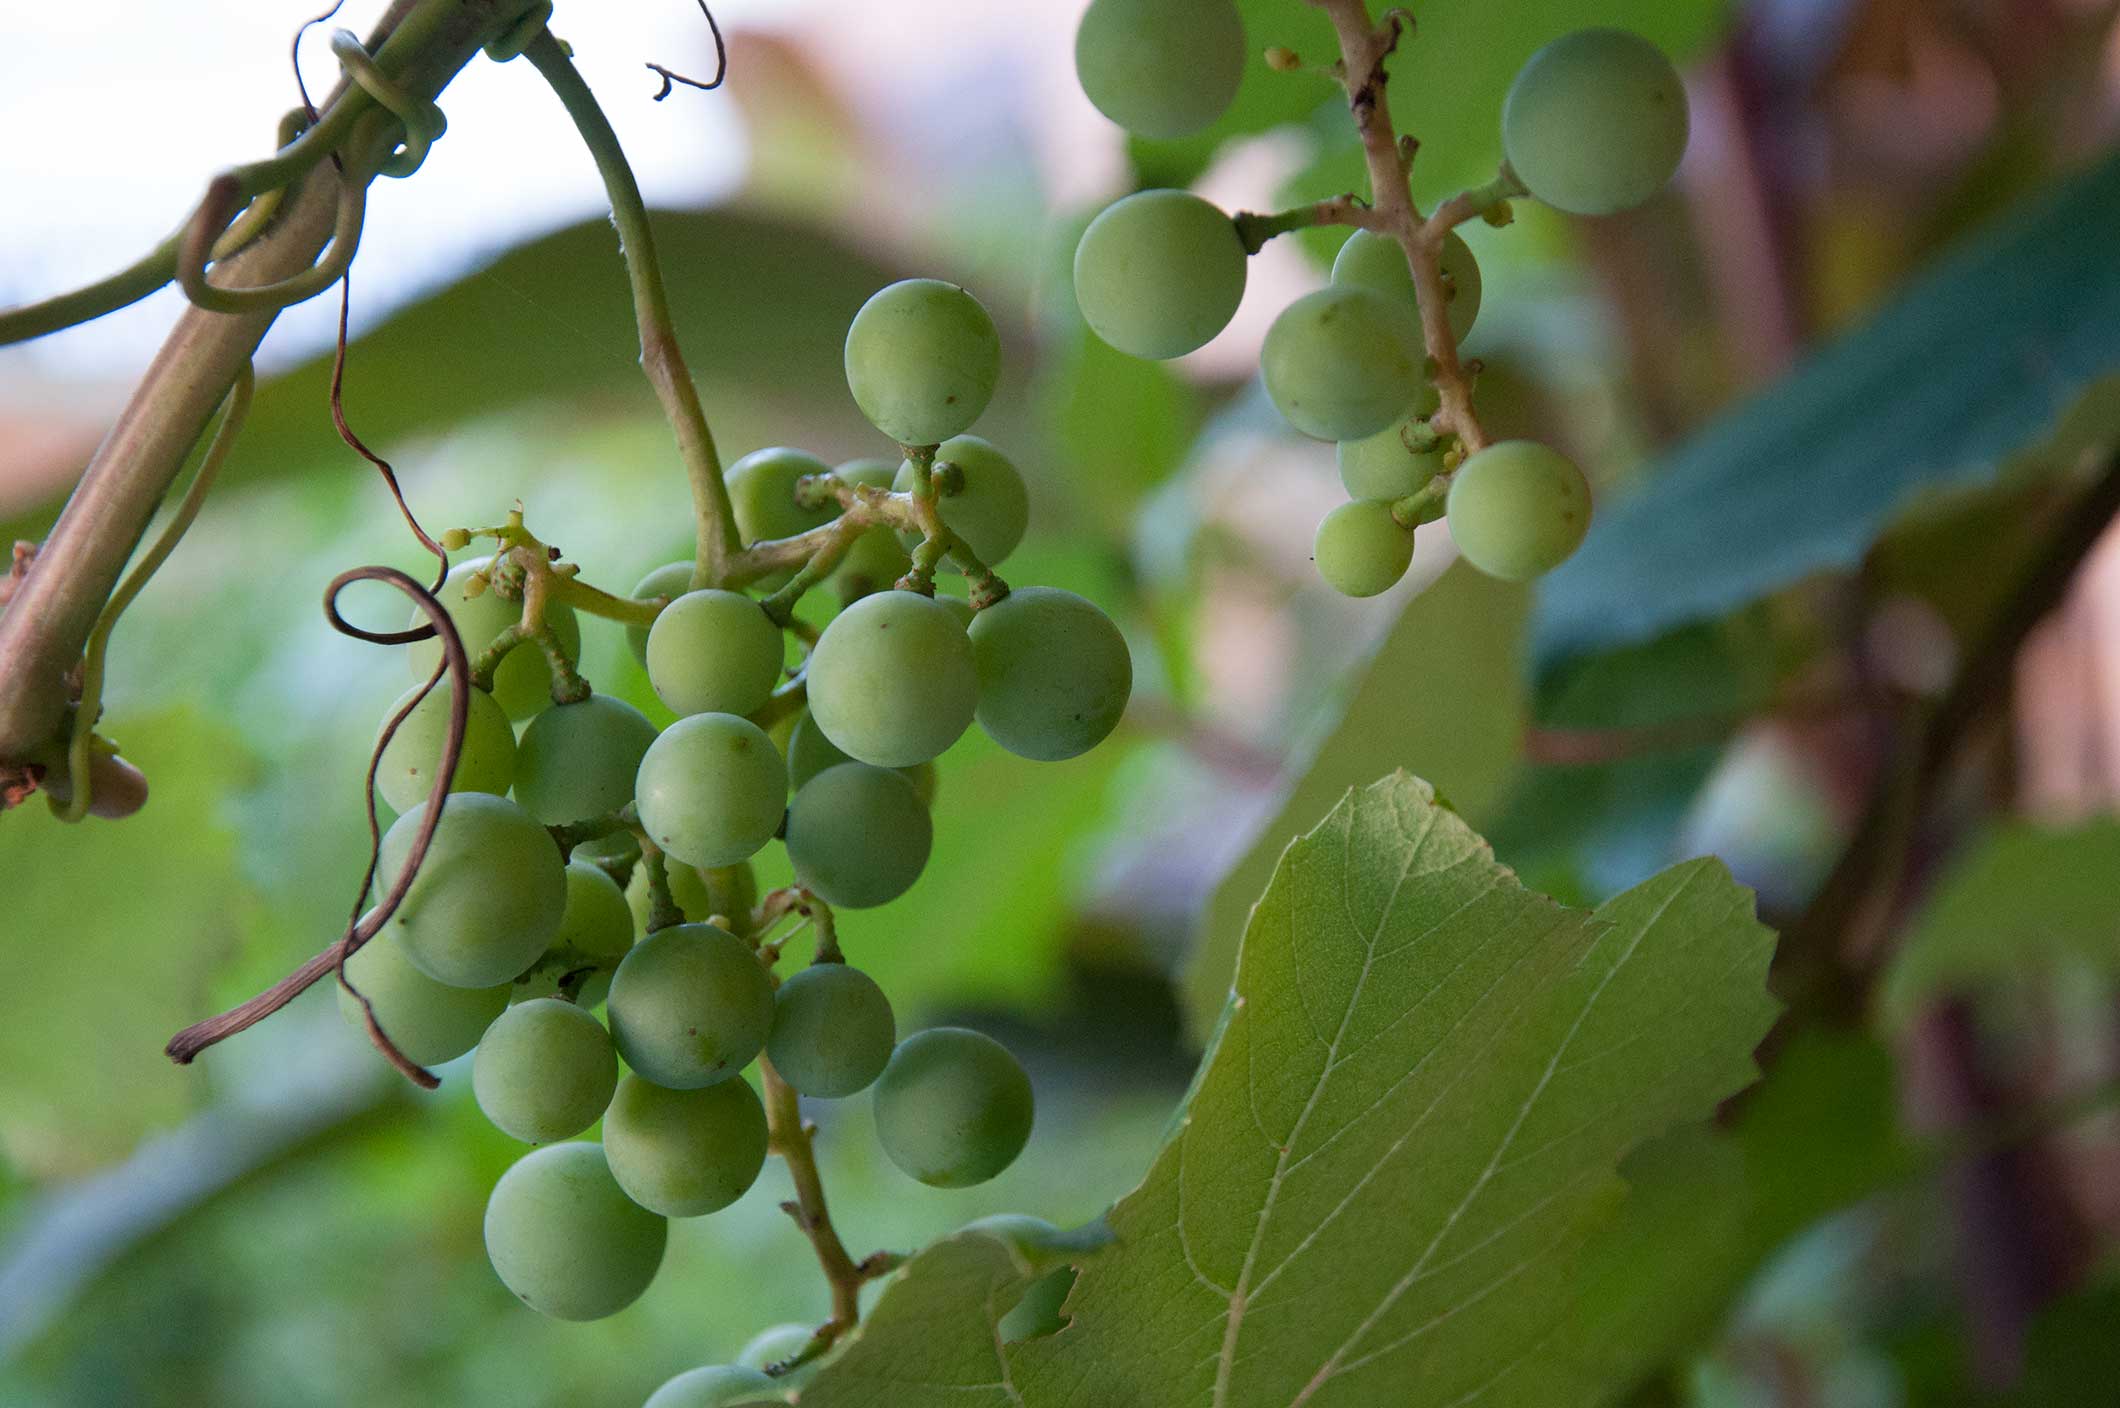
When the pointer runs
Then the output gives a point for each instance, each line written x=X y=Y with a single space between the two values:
x=1594 y=123
x=585 y=921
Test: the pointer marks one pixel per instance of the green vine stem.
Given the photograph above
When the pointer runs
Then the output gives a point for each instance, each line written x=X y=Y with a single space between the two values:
x=660 y=357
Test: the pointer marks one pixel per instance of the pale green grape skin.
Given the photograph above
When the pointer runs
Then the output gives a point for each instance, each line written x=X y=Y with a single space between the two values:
x=990 y=512
x=714 y=1386
x=669 y=581
x=762 y=490
x=833 y=1031
x=1054 y=673
x=566 y=1240
x=1159 y=273
x=1386 y=465
x=892 y=681
x=1595 y=122
x=1361 y=549
x=712 y=789
x=578 y=761
x=690 y=1006
x=1343 y=363
x=1038 y=1313
x=810 y=753
x=523 y=683
x=876 y=558
x=430 y=1022
x=858 y=836
x=952 y=1108
x=1518 y=509
x=1374 y=261
x=405 y=774
x=488 y=897
x=544 y=1070
x=1161 y=68
x=685 y=1153
x=921 y=359
x=595 y=931
x=714 y=652
x=776 y=1343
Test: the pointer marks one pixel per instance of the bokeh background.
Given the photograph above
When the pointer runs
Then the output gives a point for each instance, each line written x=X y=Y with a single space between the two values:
x=287 y=1224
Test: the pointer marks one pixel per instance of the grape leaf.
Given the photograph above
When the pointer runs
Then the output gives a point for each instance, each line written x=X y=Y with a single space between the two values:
x=1406 y=1128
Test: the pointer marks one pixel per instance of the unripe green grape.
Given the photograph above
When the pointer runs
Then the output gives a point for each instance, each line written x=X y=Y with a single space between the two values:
x=775 y=1344
x=1159 y=273
x=430 y=1022
x=921 y=360
x=1343 y=362
x=712 y=789
x=1038 y=1313
x=833 y=1031
x=1361 y=549
x=1517 y=509
x=1374 y=261
x=1054 y=673
x=762 y=490
x=523 y=683
x=858 y=836
x=952 y=1108
x=1595 y=122
x=690 y=1006
x=405 y=773
x=488 y=897
x=714 y=1386
x=685 y=1153
x=544 y=1071
x=876 y=558
x=891 y=681
x=669 y=581
x=1160 y=68
x=578 y=760
x=565 y=1239
x=595 y=931
x=714 y=652
x=990 y=511
x=1387 y=465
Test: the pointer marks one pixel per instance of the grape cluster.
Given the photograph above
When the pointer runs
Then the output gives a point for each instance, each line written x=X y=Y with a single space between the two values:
x=1594 y=123
x=618 y=871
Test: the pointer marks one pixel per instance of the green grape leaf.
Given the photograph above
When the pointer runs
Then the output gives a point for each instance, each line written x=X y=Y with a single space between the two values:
x=1804 y=477
x=1443 y=697
x=2026 y=897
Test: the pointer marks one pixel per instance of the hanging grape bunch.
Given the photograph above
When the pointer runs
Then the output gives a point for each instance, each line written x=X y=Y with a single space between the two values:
x=1595 y=123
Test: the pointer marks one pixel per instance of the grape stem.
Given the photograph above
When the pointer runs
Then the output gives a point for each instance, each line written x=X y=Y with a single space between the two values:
x=792 y=1140
x=1255 y=229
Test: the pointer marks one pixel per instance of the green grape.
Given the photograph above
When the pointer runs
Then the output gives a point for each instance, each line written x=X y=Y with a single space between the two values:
x=777 y=1343
x=891 y=680
x=430 y=1022
x=921 y=360
x=1517 y=509
x=712 y=789
x=1038 y=1313
x=1392 y=463
x=1054 y=673
x=858 y=836
x=1160 y=68
x=1374 y=261
x=1361 y=549
x=992 y=509
x=1159 y=273
x=1343 y=362
x=715 y=1386
x=544 y=1071
x=875 y=559
x=714 y=652
x=952 y=1108
x=690 y=1006
x=595 y=932
x=833 y=1031
x=685 y=1153
x=523 y=683
x=762 y=489
x=405 y=773
x=671 y=581
x=1595 y=122
x=488 y=897
x=565 y=1239
x=578 y=761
